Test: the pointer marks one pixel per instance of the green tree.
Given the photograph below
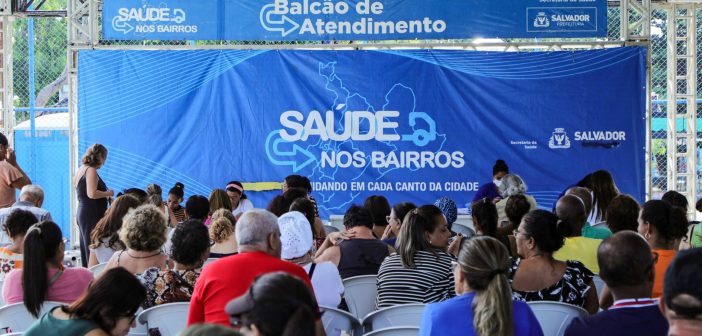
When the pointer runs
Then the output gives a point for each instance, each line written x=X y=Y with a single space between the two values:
x=50 y=47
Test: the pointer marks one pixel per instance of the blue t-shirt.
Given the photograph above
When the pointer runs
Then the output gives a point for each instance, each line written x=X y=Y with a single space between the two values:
x=488 y=190
x=640 y=321
x=455 y=317
x=390 y=241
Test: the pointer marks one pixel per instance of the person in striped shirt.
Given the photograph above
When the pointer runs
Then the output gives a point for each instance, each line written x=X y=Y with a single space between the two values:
x=420 y=270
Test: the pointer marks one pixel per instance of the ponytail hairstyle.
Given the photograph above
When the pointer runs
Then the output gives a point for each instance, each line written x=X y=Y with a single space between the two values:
x=484 y=262
x=115 y=294
x=154 y=195
x=220 y=229
x=94 y=155
x=500 y=167
x=109 y=225
x=485 y=217
x=542 y=226
x=282 y=305
x=670 y=221
x=236 y=186
x=42 y=245
x=178 y=190
x=413 y=233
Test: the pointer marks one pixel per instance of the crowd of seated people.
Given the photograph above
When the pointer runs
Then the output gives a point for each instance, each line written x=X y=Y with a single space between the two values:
x=270 y=271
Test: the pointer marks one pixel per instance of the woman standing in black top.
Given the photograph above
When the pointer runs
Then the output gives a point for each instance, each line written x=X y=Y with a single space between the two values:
x=92 y=195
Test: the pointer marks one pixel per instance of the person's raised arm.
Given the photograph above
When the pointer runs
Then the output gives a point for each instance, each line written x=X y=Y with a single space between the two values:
x=331 y=254
x=23 y=180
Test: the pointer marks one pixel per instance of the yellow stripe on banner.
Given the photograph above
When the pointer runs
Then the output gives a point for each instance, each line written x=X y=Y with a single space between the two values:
x=262 y=186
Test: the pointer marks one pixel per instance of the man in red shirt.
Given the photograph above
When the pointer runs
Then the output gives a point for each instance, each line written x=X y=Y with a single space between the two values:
x=258 y=237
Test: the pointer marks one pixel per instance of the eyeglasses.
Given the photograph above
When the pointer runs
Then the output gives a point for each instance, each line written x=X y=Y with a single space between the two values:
x=515 y=233
x=212 y=242
x=389 y=219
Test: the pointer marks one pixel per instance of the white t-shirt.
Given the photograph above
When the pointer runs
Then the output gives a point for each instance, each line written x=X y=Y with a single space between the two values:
x=102 y=252
x=326 y=283
x=244 y=205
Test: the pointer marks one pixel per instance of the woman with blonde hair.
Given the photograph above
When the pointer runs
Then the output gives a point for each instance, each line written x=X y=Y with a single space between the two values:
x=222 y=234
x=218 y=200
x=143 y=233
x=484 y=305
x=92 y=195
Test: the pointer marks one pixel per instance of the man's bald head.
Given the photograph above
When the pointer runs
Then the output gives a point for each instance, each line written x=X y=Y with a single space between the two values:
x=625 y=260
x=571 y=210
x=584 y=194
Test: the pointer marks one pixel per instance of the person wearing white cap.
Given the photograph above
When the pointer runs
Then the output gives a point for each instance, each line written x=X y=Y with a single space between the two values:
x=297 y=247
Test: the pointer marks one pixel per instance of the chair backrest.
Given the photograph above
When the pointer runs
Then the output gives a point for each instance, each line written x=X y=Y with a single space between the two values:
x=599 y=283
x=19 y=333
x=462 y=229
x=336 y=321
x=170 y=318
x=329 y=229
x=359 y=294
x=554 y=317
x=98 y=269
x=395 y=331
x=406 y=315
x=16 y=318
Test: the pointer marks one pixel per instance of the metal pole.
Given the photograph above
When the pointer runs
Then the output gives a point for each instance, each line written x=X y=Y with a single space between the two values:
x=32 y=114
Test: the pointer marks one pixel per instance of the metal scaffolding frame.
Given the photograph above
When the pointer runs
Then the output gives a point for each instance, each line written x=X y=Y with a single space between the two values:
x=84 y=34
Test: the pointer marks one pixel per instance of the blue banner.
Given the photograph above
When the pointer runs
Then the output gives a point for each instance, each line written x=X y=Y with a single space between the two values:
x=413 y=125
x=324 y=20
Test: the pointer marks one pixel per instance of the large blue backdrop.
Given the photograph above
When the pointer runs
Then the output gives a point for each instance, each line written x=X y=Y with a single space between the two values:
x=412 y=125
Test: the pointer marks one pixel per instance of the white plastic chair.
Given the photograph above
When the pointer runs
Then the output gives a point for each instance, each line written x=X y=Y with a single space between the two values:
x=599 y=284
x=209 y=261
x=2 y=300
x=13 y=334
x=554 y=317
x=462 y=229
x=170 y=318
x=336 y=321
x=406 y=315
x=329 y=229
x=395 y=331
x=16 y=318
x=359 y=294
x=98 y=269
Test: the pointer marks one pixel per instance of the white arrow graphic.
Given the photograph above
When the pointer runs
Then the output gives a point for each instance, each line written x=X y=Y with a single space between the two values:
x=121 y=26
x=265 y=17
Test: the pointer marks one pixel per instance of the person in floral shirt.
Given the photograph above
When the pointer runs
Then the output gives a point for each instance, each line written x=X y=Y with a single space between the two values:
x=190 y=249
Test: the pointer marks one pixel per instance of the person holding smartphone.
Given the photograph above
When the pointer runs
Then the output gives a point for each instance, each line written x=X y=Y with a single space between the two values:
x=11 y=175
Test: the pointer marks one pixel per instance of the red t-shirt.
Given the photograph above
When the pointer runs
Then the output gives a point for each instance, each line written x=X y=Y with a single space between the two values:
x=230 y=277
